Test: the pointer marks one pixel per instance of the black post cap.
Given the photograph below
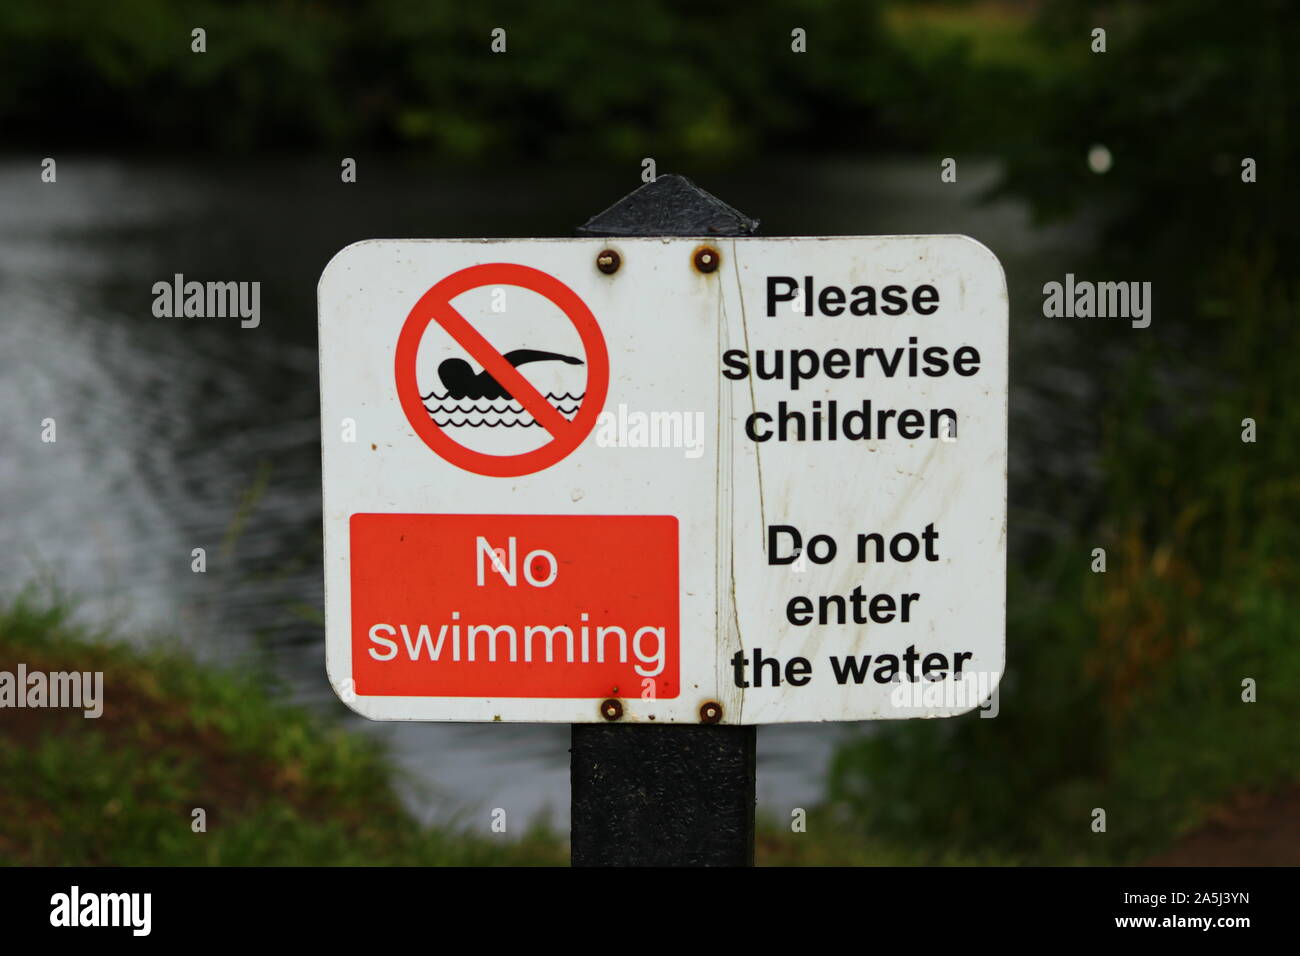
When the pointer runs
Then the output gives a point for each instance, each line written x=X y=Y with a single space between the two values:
x=671 y=205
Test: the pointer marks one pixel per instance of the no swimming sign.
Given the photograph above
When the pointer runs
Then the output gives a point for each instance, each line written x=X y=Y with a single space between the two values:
x=457 y=391
x=738 y=480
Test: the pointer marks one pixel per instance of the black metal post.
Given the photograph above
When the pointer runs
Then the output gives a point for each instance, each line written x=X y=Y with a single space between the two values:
x=663 y=794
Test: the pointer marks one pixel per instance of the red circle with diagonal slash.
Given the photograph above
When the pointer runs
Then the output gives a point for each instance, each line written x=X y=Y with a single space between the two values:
x=435 y=306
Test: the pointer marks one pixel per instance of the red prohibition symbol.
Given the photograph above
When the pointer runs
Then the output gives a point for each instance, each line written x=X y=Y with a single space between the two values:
x=435 y=306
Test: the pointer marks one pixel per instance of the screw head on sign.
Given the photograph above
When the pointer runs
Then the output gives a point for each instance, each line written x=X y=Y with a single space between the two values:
x=608 y=261
x=710 y=712
x=611 y=709
x=707 y=259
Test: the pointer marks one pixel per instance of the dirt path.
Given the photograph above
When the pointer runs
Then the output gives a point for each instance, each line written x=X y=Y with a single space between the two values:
x=1251 y=831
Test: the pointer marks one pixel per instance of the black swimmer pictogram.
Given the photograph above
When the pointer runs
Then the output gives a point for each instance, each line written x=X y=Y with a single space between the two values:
x=465 y=389
x=461 y=381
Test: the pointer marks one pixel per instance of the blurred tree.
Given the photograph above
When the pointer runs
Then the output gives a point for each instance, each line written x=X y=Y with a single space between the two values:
x=575 y=79
x=1123 y=688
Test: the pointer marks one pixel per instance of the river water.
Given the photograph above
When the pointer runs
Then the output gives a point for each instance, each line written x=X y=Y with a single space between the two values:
x=177 y=434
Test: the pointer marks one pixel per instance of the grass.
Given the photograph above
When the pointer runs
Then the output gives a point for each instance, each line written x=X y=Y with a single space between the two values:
x=830 y=838
x=278 y=785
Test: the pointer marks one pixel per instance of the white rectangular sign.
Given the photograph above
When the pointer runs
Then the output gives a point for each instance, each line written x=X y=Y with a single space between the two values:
x=673 y=480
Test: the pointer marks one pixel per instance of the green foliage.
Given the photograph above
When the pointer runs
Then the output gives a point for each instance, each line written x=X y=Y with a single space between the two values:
x=1124 y=689
x=645 y=77
x=279 y=785
x=1184 y=92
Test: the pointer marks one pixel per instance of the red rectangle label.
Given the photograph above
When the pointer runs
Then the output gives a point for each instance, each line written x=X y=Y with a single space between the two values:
x=514 y=605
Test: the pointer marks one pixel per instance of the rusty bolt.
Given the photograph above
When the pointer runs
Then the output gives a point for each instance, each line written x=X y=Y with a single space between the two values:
x=611 y=709
x=710 y=712
x=707 y=259
x=608 y=261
